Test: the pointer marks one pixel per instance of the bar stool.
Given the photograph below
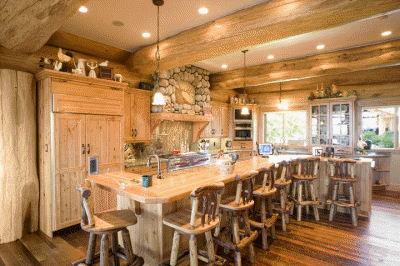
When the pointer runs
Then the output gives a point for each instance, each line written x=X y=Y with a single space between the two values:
x=107 y=224
x=307 y=172
x=341 y=171
x=263 y=193
x=192 y=222
x=231 y=208
x=282 y=183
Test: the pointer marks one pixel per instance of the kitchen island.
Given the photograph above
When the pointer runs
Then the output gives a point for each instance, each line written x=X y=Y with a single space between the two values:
x=152 y=240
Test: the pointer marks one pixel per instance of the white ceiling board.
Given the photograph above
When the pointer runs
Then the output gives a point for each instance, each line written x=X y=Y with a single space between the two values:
x=350 y=35
x=140 y=16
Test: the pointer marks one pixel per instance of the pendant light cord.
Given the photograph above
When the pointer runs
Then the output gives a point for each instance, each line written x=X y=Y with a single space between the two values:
x=280 y=92
x=157 y=55
x=244 y=63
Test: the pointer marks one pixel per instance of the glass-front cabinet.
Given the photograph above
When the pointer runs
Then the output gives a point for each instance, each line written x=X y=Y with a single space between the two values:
x=332 y=125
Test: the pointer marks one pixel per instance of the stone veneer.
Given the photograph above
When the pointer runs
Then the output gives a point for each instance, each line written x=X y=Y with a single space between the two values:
x=186 y=90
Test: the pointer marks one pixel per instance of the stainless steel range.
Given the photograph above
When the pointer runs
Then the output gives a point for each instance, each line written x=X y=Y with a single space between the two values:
x=185 y=160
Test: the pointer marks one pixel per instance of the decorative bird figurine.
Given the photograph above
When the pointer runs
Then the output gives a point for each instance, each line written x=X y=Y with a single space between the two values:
x=104 y=64
x=45 y=62
x=63 y=57
x=361 y=144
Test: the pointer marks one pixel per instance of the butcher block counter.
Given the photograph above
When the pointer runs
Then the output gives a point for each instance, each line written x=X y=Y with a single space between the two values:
x=153 y=240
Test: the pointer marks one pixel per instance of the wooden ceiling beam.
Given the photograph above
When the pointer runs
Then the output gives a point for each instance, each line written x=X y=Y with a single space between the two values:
x=266 y=22
x=26 y=25
x=339 y=62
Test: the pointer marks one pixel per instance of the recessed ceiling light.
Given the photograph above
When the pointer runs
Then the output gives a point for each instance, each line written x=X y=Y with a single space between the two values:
x=224 y=66
x=83 y=9
x=146 y=34
x=203 y=10
x=320 y=47
x=270 y=56
x=386 y=33
x=117 y=23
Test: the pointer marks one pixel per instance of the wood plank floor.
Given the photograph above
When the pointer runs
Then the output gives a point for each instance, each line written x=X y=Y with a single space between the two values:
x=373 y=242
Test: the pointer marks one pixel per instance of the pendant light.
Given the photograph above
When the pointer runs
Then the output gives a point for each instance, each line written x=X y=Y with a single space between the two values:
x=158 y=97
x=245 y=110
x=281 y=105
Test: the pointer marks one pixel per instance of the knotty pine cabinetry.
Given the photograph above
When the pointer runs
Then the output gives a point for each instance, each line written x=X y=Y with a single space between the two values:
x=79 y=117
x=137 y=115
x=219 y=126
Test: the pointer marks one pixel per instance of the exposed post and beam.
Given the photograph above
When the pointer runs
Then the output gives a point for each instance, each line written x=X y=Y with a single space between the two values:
x=26 y=25
x=266 y=22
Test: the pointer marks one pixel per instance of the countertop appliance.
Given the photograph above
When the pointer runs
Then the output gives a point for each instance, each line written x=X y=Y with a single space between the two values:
x=330 y=151
x=238 y=117
x=226 y=144
x=185 y=160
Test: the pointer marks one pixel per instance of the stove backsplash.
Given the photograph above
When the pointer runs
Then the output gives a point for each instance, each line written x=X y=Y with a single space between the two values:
x=167 y=137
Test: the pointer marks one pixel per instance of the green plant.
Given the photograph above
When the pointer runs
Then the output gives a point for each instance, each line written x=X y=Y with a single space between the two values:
x=387 y=140
x=371 y=135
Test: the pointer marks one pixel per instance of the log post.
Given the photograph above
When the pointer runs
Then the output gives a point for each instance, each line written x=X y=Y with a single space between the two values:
x=19 y=184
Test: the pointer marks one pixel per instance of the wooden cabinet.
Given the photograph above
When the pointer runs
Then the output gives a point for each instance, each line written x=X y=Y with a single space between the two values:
x=332 y=124
x=137 y=115
x=381 y=172
x=242 y=145
x=78 y=117
x=219 y=126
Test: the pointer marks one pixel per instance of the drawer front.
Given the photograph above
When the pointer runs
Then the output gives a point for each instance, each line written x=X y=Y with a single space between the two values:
x=242 y=145
x=85 y=90
x=145 y=170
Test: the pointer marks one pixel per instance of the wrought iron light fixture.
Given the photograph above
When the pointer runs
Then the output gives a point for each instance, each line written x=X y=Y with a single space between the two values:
x=245 y=109
x=158 y=97
x=281 y=105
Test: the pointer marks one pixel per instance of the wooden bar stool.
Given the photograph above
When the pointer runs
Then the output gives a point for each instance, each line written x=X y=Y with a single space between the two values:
x=282 y=184
x=232 y=207
x=307 y=172
x=192 y=222
x=263 y=193
x=342 y=171
x=107 y=224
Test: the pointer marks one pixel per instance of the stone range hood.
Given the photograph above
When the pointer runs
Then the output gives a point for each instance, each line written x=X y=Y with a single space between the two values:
x=186 y=90
x=199 y=121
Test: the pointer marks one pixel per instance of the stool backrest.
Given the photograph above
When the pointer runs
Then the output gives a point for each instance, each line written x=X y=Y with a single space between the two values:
x=284 y=171
x=211 y=197
x=268 y=176
x=245 y=187
x=343 y=168
x=87 y=203
x=308 y=166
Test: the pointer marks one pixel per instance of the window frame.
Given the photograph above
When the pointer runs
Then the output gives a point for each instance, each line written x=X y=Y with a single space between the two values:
x=306 y=110
x=385 y=103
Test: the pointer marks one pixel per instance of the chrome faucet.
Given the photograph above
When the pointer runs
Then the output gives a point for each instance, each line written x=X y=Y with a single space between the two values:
x=159 y=176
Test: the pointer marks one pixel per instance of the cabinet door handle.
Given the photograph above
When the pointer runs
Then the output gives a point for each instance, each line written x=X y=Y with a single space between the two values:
x=88 y=149
x=83 y=148
x=135 y=133
x=132 y=132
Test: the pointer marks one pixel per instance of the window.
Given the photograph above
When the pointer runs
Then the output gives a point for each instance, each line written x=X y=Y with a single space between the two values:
x=288 y=128
x=379 y=126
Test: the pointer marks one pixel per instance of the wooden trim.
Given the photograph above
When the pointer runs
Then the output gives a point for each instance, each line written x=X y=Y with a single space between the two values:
x=63 y=76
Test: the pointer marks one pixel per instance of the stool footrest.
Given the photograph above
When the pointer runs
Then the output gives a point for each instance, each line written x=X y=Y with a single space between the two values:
x=268 y=224
x=278 y=209
x=343 y=203
x=305 y=202
x=242 y=244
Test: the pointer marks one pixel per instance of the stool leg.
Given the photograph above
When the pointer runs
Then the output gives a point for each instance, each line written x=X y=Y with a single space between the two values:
x=218 y=228
x=210 y=246
x=299 y=198
x=312 y=191
x=283 y=208
x=293 y=196
x=193 y=251
x=270 y=213
x=285 y=195
x=306 y=194
x=175 y=248
x=127 y=245
x=114 y=246
x=263 y=220
x=104 y=250
x=247 y=230
x=91 y=249
x=334 y=197
x=353 y=209
x=236 y=239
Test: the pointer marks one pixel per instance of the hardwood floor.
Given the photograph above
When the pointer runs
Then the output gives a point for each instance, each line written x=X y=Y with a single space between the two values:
x=373 y=242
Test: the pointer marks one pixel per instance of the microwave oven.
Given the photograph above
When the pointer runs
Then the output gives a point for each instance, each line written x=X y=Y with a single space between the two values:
x=237 y=115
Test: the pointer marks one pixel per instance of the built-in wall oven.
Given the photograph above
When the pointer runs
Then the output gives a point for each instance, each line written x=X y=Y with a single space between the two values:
x=244 y=131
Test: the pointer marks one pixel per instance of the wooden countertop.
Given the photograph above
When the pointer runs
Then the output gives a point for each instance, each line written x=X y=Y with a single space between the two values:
x=178 y=184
